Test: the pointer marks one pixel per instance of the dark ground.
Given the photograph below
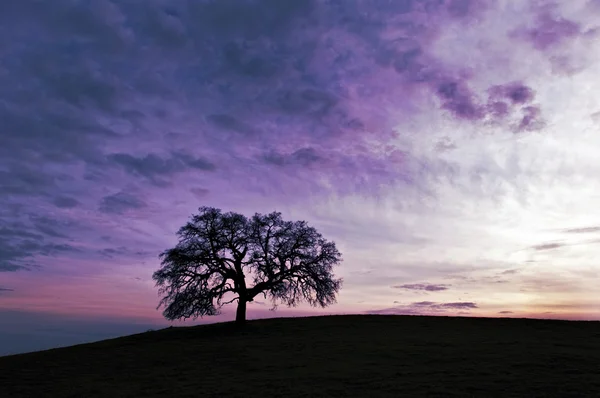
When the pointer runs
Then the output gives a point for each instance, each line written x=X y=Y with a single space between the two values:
x=332 y=356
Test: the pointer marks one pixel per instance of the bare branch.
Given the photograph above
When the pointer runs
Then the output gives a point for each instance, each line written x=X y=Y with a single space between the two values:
x=231 y=301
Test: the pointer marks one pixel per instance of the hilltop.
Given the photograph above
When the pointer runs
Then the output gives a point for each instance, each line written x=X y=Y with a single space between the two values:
x=333 y=356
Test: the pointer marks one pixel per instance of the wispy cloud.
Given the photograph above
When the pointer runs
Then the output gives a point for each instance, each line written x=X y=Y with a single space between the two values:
x=426 y=307
x=510 y=272
x=583 y=230
x=120 y=202
x=423 y=286
x=548 y=246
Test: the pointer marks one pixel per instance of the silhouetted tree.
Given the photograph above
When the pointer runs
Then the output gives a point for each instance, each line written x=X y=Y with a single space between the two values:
x=220 y=253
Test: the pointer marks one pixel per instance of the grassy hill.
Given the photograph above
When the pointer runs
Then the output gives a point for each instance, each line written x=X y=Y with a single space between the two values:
x=332 y=356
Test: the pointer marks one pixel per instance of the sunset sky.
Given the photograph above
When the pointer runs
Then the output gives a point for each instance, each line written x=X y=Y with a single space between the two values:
x=449 y=148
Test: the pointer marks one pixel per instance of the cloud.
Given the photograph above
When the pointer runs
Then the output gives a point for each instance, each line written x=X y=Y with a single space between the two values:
x=154 y=167
x=65 y=202
x=22 y=254
x=121 y=252
x=24 y=181
x=583 y=230
x=425 y=308
x=505 y=312
x=547 y=246
x=549 y=31
x=458 y=100
x=531 y=120
x=5 y=289
x=230 y=123
x=423 y=304
x=515 y=92
x=462 y=305
x=552 y=281
x=50 y=226
x=510 y=272
x=120 y=203
x=23 y=243
x=302 y=157
x=422 y=286
x=199 y=192
x=179 y=79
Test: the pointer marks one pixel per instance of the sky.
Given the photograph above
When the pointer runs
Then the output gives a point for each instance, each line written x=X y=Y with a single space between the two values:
x=448 y=147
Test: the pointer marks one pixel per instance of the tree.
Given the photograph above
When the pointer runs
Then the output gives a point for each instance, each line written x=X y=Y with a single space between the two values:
x=219 y=254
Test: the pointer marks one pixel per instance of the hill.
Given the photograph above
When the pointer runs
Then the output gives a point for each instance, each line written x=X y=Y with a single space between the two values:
x=330 y=356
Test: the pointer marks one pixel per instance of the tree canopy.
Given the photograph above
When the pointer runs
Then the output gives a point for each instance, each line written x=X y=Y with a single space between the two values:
x=228 y=254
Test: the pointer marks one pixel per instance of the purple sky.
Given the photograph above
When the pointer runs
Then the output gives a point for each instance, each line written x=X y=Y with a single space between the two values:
x=448 y=147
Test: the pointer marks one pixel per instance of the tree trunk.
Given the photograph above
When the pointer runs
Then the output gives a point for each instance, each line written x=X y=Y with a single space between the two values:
x=240 y=315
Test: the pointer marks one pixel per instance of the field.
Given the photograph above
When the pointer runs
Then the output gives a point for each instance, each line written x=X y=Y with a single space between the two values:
x=330 y=356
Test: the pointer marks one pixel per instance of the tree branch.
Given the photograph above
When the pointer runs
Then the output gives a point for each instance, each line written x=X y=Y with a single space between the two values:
x=232 y=300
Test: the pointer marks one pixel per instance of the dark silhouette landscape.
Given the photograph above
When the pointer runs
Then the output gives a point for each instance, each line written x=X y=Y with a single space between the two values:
x=329 y=356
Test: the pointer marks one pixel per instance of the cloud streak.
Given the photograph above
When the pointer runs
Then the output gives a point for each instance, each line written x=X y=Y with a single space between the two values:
x=548 y=246
x=583 y=230
x=427 y=308
x=422 y=286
